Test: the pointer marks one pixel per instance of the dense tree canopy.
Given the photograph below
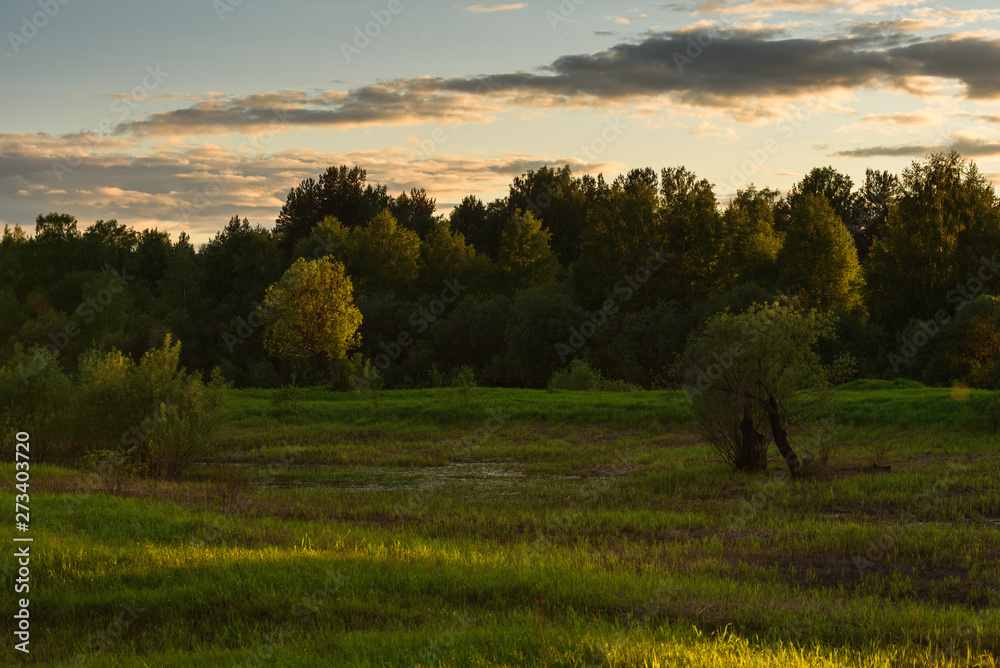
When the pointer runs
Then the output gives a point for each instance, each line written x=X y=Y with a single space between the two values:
x=941 y=233
x=619 y=273
x=818 y=261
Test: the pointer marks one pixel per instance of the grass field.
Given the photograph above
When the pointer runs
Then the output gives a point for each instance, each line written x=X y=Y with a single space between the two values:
x=519 y=527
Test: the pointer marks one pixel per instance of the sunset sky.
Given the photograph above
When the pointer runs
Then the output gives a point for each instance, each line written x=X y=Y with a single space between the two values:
x=180 y=115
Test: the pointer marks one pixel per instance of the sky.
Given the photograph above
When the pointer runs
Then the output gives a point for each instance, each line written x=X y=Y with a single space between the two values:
x=181 y=115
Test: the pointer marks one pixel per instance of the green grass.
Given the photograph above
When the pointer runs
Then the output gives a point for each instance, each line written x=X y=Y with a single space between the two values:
x=572 y=529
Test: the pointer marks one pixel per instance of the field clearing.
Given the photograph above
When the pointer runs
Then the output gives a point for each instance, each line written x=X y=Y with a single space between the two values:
x=520 y=527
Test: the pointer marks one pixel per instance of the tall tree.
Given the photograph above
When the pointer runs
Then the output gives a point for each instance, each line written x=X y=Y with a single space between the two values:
x=107 y=243
x=444 y=256
x=415 y=211
x=749 y=240
x=694 y=232
x=54 y=227
x=311 y=311
x=622 y=231
x=818 y=261
x=830 y=184
x=341 y=192
x=936 y=237
x=385 y=256
x=525 y=257
x=470 y=219
x=557 y=199
x=240 y=261
x=872 y=203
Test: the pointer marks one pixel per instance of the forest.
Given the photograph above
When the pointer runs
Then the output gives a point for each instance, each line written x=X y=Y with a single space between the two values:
x=371 y=435
x=614 y=275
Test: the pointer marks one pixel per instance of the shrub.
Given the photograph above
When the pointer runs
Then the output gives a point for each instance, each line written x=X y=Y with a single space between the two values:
x=34 y=393
x=285 y=400
x=232 y=491
x=618 y=385
x=993 y=415
x=843 y=369
x=115 y=472
x=153 y=410
x=465 y=381
x=745 y=374
x=579 y=375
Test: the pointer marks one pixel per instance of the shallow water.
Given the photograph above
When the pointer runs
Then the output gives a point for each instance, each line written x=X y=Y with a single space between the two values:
x=366 y=478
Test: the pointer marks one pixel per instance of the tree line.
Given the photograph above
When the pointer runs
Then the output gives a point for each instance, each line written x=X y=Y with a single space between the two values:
x=618 y=274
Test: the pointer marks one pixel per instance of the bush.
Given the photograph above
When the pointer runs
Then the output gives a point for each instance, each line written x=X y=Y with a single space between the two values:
x=465 y=381
x=154 y=411
x=875 y=385
x=746 y=372
x=285 y=400
x=618 y=385
x=579 y=375
x=115 y=472
x=993 y=415
x=34 y=393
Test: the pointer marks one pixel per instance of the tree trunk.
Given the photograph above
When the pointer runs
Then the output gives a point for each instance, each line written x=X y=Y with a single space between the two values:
x=752 y=457
x=781 y=437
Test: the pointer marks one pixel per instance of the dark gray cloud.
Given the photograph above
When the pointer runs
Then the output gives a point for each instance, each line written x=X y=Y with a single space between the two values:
x=974 y=62
x=720 y=68
x=399 y=102
x=969 y=148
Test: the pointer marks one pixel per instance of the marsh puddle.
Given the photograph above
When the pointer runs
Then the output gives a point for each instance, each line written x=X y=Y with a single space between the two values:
x=362 y=478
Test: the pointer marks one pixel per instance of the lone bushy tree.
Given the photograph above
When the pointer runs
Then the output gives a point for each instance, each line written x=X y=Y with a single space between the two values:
x=311 y=311
x=744 y=373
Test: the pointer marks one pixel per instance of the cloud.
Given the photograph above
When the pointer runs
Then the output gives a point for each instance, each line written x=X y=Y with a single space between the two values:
x=199 y=187
x=968 y=147
x=899 y=119
x=480 y=9
x=765 y=8
x=729 y=69
x=401 y=102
